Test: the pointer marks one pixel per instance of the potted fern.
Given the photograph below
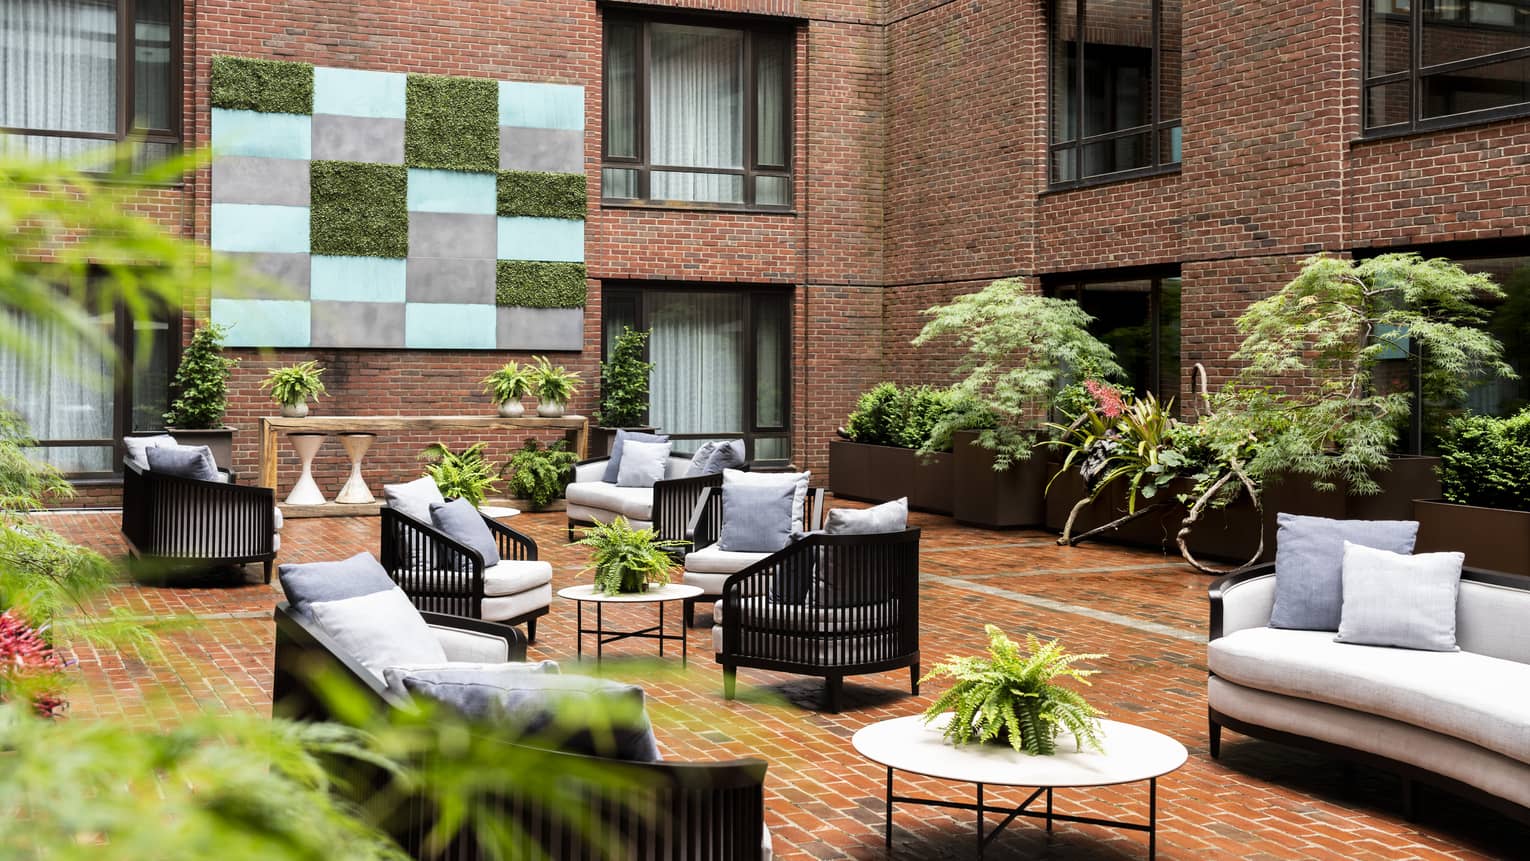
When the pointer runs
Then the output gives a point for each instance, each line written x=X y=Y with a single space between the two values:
x=553 y=387
x=627 y=560
x=623 y=391
x=201 y=387
x=293 y=386
x=467 y=474
x=1011 y=697
x=538 y=475
x=507 y=386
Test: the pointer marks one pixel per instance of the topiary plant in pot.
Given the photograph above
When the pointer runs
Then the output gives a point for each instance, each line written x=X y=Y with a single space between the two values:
x=506 y=386
x=627 y=560
x=293 y=386
x=539 y=475
x=201 y=394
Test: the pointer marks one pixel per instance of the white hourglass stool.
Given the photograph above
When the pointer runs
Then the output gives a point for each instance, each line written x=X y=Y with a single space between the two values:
x=355 y=491
x=306 y=490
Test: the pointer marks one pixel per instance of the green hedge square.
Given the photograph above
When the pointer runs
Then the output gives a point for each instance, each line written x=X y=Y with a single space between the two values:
x=268 y=86
x=544 y=195
x=359 y=209
x=452 y=123
x=534 y=284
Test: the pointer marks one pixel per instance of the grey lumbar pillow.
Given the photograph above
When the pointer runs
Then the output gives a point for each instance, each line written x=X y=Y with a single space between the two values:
x=699 y=459
x=1391 y=599
x=185 y=461
x=307 y=582
x=643 y=463
x=380 y=630
x=461 y=522
x=798 y=480
x=137 y=447
x=574 y=714
x=413 y=498
x=1309 y=564
x=757 y=518
x=618 y=447
x=887 y=517
x=726 y=455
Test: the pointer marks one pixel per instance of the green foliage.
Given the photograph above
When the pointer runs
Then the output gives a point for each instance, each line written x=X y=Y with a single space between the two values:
x=875 y=420
x=1015 y=346
x=917 y=417
x=541 y=195
x=1485 y=461
x=510 y=383
x=358 y=209
x=554 y=385
x=624 y=381
x=538 y=474
x=294 y=384
x=539 y=284
x=451 y=123
x=269 y=86
x=467 y=474
x=201 y=381
x=624 y=559
x=1330 y=327
x=1012 y=697
x=1122 y=440
x=1075 y=398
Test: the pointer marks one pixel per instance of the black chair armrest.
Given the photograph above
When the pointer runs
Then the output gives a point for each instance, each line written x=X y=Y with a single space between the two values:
x=426 y=562
x=674 y=503
x=706 y=516
x=515 y=641
x=511 y=544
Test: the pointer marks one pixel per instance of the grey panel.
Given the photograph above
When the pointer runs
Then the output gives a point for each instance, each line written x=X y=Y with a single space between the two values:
x=358 y=324
x=549 y=150
x=448 y=234
x=540 y=328
x=242 y=179
x=446 y=279
x=358 y=139
x=265 y=275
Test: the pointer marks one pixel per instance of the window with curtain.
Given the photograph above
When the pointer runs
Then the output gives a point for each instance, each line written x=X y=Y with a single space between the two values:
x=81 y=75
x=696 y=113
x=721 y=363
x=1436 y=63
x=1138 y=318
x=1115 y=72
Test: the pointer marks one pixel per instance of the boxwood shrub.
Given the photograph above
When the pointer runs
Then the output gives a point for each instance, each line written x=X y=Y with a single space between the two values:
x=905 y=417
x=535 y=284
x=544 y=195
x=451 y=123
x=359 y=209
x=1485 y=461
x=269 y=86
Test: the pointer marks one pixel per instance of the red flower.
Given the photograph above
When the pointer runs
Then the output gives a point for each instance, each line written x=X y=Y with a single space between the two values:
x=24 y=653
x=1108 y=398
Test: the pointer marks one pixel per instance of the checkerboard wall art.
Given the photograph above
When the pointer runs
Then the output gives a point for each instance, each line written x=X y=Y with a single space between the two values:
x=397 y=210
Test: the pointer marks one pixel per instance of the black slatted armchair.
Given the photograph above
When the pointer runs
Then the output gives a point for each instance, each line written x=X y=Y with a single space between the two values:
x=187 y=522
x=708 y=566
x=828 y=605
x=442 y=575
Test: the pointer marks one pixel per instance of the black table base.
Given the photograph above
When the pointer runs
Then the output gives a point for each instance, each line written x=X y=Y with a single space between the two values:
x=602 y=636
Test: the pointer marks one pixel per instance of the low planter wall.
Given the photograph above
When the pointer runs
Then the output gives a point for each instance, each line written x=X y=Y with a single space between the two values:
x=878 y=473
x=1497 y=539
x=988 y=498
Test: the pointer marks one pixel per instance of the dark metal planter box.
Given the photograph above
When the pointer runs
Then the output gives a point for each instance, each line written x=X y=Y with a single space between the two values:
x=984 y=497
x=870 y=473
x=1497 y=539
x=934 y=484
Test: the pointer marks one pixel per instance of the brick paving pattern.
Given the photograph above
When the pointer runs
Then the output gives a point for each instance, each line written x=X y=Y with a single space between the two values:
x=1148 y=612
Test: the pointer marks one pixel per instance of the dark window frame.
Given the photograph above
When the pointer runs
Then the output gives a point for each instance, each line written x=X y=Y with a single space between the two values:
x=628 y=294
x=1073 y=284
x=1414 y=77
x=752 y=29
x=1154 y=129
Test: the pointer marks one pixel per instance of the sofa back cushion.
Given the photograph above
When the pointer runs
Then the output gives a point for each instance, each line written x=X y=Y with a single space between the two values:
x=136 y=447
x=643 y=463
x=307 y=582
x=461 y=522
x=756 y=518
x=887 y=517
x=183 y=461
x=725 y=455
x=381 y=630
x=1309 y=564
x=614 y=464
x=1404 y=601
x=799 y=481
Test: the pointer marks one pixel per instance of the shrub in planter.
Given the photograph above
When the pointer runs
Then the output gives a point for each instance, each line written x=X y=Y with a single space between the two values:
x=539 y=475
x=201 y=381
x=624 y=381
x=875 y=418
x=1485 y=461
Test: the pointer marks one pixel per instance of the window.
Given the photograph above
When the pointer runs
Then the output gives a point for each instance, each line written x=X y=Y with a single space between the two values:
x=1138 y=318
x=1115 y=89
x=697 y=114
x=721 y=363
x=77 y=75
x=1436 y=63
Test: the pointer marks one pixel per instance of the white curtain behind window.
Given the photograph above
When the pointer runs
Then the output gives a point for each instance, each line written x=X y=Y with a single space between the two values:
x=63 y=392
x=58 y=69
x=698 y=350
x=696 y=92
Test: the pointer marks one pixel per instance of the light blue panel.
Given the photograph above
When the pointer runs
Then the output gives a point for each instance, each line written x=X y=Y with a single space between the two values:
x=541 y=106
x=359 y=93
x=451 y=191
x=259 y=227
x=261 y=135
x=263 y=322
x=551 y=239
x=443 y=326
x=357 y=279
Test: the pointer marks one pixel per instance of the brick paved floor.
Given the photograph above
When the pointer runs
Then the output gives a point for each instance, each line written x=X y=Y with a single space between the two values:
x=1260 y=801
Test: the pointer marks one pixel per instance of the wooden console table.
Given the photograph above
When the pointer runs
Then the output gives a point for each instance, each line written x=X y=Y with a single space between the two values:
x=270 y=426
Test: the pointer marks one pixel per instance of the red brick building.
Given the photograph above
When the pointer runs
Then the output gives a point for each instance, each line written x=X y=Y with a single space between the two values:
x=1165 y=161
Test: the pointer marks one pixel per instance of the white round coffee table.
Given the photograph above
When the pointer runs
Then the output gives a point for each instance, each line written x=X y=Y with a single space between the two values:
x=1132 y=754
x=660 y=595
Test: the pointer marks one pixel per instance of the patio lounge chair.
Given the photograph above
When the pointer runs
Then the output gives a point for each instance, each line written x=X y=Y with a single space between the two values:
x=188 y=522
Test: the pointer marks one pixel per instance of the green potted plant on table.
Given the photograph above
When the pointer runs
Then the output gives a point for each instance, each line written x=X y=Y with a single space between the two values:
x=623 y=390
x=553 y=387
x=507 y=386
x=627 y=560
x=201 y=395
x=538 y=475
x=1485 y=478
x=293 y=386
x=1012 y=697
x=467 y=474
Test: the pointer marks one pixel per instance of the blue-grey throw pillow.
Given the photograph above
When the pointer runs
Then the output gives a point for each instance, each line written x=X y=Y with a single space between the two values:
x=614 y=465
x=757 y=518
x=461 y=522
x=699 y=459
x=307 y=582
x=887 y=517
x=185 y=461
x=643 y=463
x=1309 y=565
x=574 y=714
x=726 y=455
x=1391 y=599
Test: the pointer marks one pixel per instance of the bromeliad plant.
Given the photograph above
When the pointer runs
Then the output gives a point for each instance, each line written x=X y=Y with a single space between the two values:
x=467 y=474
x=1013 y=698
x=626 y=560
x=539 y=475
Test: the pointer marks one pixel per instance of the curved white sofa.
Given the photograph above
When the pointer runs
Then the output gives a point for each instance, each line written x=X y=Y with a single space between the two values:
x=1457 y=720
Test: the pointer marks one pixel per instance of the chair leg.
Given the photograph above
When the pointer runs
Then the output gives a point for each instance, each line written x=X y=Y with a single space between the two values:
x=730 y=681
x=1215 y=734
x=571 y=532
x=270 y=563
x=832 y=687
x=913 y=679
x=531 y=630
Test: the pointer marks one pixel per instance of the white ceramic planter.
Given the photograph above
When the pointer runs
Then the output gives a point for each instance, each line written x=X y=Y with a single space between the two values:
x=512 y=409
x=550 y=409
x=295 y=411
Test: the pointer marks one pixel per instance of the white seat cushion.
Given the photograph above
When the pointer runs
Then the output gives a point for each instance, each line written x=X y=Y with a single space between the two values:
x=514 y=576
x=1462 y=694
x=633 y=503
x=585 y=514
x=712 y=559
x=500 y=608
